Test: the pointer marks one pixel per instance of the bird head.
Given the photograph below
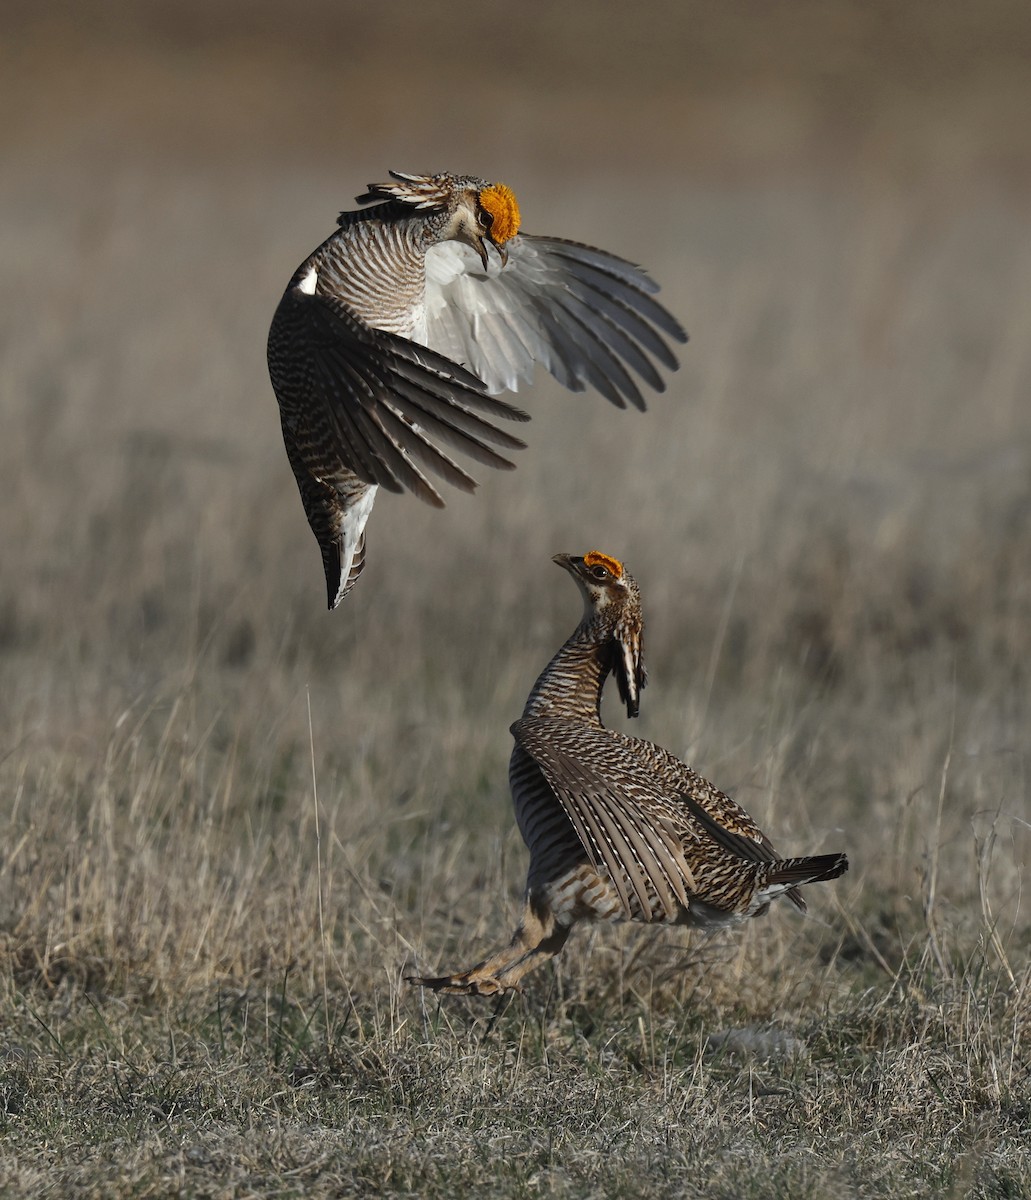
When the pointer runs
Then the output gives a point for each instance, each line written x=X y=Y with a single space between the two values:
x=475 y=212
x=612 y=611
x=486 y=213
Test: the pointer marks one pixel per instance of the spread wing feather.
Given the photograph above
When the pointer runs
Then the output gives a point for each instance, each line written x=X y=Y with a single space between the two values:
x=387 y=400
x=625 y=829
x=583 y=313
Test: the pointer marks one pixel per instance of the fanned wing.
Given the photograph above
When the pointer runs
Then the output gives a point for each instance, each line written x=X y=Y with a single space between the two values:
x=384 y=405
x=625 y=829
x=589 y=317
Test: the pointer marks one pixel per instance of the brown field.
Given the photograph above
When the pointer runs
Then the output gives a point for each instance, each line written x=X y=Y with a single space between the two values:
x=232 y=822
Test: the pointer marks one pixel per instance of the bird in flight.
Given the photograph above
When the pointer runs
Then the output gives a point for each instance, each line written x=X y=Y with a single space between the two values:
x=394 y=337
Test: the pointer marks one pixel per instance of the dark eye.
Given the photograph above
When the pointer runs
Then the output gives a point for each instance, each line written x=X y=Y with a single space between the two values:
x=486 y=218
x=600 y=572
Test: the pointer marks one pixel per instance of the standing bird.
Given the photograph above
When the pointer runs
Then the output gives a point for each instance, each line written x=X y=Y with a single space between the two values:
x=618 y=828
x=393 y=336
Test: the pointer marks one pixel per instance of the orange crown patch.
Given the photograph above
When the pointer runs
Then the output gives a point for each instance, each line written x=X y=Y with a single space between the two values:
x=613 y=565
x=500 y=202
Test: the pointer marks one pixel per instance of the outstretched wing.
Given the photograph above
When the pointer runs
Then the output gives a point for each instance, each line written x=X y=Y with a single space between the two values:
x=377 y=404
x=624 y=826
x=588 y=317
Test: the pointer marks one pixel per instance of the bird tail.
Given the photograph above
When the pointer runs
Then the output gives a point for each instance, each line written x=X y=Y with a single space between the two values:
x=813 y=868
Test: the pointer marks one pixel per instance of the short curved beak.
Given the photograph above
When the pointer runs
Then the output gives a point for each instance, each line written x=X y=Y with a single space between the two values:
x=569 y=562
x=481 y=250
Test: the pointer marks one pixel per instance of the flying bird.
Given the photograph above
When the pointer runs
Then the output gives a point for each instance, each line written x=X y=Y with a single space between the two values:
x=394 y=336
x=620 y=829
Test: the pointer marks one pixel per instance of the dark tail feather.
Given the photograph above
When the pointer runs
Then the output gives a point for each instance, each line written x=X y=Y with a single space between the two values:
x=815 y=868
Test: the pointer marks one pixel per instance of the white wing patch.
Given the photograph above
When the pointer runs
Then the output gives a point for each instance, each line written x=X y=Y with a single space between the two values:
x=308 y=283
x=588 y=317
x=476 y=320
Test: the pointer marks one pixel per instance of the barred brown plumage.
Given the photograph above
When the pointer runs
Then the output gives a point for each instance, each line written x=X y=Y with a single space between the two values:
x=617 y=827
x=394 y=335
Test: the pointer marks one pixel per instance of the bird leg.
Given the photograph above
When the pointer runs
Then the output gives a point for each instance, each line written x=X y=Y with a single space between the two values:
x=538 y=938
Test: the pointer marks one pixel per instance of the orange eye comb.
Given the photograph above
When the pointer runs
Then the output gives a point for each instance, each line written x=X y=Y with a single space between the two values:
x=613 y=565
x=500 y=202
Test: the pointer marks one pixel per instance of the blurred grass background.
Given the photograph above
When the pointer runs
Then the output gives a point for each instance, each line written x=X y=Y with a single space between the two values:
x=828 y=512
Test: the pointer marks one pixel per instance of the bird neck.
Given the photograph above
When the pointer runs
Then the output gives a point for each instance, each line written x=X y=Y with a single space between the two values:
x=571 y=685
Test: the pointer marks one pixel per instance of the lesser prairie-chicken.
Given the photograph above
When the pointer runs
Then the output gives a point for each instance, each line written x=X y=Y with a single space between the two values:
x=393 y=337
x=617 y=827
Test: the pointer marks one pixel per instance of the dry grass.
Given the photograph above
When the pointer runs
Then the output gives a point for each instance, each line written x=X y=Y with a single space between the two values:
x=829 y=516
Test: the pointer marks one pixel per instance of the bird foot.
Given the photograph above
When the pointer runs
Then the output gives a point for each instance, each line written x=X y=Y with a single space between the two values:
x=462 y=985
